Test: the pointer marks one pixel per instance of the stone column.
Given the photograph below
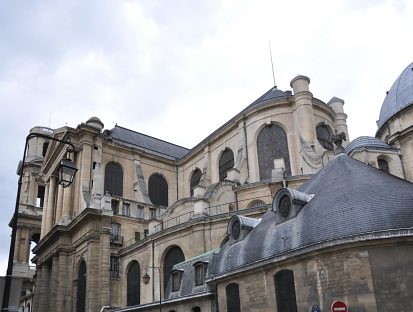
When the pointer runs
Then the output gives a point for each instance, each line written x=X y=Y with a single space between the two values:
x=36 y=295
x=53 y=289
x=44 y=212
x=16 y=255
x=340 y=118
x=43 y=289
x=67 y=205
x=304 y=108
x=62 y=284
x=104 y=262
x=50 y=204
x=59 y=205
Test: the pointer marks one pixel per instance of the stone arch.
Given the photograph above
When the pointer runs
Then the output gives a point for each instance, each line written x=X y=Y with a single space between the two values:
x=133 y=275
x=226 y=162
x=285 y=291
x=194 y=180
x=171 y=256
x=323 y=133
x=81 y=286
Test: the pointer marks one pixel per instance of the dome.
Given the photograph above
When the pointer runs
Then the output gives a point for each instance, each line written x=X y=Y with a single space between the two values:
x=398 y=97
x=95 y=122
x=366 y=142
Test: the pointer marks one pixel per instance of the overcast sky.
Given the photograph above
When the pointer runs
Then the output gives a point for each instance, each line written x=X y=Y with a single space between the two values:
x=177 y=70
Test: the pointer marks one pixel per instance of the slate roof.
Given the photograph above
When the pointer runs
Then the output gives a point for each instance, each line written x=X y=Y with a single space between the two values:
x=367 y=142
x=145 y=142
x=398 y=97
x=350 y=198
x=188 y=287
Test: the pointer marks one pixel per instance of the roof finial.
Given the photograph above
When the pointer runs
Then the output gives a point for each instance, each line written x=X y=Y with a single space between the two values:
x=337 y=139
x=272 y=64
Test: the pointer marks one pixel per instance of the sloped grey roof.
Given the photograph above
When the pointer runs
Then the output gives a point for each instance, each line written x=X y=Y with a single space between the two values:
x=188 y=287
x=350 y=199
x=366 y=142
x=150 y=144
x=399 y=96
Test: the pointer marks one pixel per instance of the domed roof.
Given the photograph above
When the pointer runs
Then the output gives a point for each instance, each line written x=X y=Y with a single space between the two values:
x=366 y=142
x=399 y=96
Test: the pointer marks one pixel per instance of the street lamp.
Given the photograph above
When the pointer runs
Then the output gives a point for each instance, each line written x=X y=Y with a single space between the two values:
x=67 y=171
x=146 y=278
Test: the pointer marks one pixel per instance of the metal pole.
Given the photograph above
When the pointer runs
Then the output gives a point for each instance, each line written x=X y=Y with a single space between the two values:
x=9 y=272
x=160 y=285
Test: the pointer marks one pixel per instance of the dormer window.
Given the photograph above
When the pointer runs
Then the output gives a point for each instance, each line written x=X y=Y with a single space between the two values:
x=285 y=206
x=200 y=272
x=235 y=229
x=288 y=202
x=176 y=279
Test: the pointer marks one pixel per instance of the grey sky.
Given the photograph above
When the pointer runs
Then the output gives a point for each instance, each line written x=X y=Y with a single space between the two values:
x=179 y=69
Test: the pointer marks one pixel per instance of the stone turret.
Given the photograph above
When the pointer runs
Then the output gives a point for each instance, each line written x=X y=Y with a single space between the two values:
x=340 y=118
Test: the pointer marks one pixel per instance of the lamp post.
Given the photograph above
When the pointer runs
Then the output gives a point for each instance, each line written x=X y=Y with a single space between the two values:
x=146 y=278
x=67 y=172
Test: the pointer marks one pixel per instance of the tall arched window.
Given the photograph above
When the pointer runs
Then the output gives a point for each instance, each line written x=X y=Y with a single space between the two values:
x=113 y=179
x=81 y=288
x=324 y=137
x=172 y=257
x=226 y=162
x=232 y=294
x=272 y=144
x=285 y=291
x=133 y=295
x=383 y=165
x=158 y=190
x=195 y=178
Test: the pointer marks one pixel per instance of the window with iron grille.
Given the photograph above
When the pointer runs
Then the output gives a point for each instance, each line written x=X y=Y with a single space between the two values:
x=114 y=267
x=383 y=165
x=285 y=291
x=324 y=137
x=115 y=232
x=272 y=144
x=158 y=190
x=141 y=212
x=195 y=178
x=226 y=162
x=126 y=209
x=232 y=295
x=113 y=179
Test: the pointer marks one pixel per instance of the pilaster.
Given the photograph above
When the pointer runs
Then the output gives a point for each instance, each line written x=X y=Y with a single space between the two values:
x=59 y=204
x=44 y=213
x=50 y=204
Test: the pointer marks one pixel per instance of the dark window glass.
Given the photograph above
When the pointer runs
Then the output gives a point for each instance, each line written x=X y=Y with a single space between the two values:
x=81 y=288
x=133 y=284
x=40 y=196
x=45 y=147
x=114 y=267
x=200 y=270
x=158 y=190
x=113 y=179
x=115 y=206
x=226 y=162
x=285 y=291
x=232 y=293
x=235 y=229
x=272 y=144
x=383 y=165
x=195 y=178
x=285 y=206
x=115 y=232
x=172 y=257
x=196 y=309
x=324 y=137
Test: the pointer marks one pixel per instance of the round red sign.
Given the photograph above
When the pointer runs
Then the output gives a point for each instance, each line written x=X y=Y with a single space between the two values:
x=338 y=306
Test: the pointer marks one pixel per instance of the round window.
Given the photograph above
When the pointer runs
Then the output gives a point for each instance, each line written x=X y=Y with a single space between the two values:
x=284 y=206
x=235 y=230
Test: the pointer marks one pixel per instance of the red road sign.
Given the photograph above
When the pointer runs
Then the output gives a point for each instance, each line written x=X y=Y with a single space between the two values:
x=338 y=306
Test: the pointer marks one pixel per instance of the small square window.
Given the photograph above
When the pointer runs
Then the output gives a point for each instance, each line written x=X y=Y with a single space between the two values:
x=126 y=209
x=152 y=213
x=114 y=267
x=115 y=206
x=141 y=212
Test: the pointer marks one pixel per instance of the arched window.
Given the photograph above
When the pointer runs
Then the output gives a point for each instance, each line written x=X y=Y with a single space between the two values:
x=232 y=293
x=383 y=165
x=113 y=179
x=196 y=309
x=133 y=296
x=285 y=291
x=81 y=288
x=324 y=137
x=226 y=162
x=195 y=178
x=172 y=257
x=272 y=144
x=158 y=190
